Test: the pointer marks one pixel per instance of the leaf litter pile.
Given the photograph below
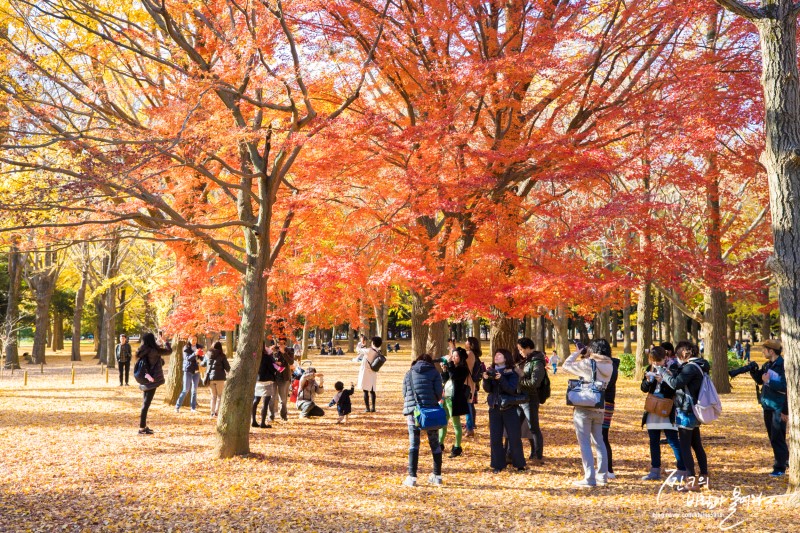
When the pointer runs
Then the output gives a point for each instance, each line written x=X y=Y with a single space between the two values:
x=73 y=461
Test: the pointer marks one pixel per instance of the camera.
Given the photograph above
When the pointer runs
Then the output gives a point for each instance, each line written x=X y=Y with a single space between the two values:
x=491 y=372
x=753 y=366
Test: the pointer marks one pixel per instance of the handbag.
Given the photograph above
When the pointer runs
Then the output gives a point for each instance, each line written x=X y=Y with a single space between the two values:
x=508 y=401
x=658 y=405
x=590 y=394
x=427 y=418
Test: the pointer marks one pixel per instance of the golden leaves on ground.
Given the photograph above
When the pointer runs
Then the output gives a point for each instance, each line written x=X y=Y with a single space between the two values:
x=73 y=461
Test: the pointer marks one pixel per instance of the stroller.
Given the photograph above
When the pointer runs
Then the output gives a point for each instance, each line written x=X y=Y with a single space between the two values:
x=296 y=375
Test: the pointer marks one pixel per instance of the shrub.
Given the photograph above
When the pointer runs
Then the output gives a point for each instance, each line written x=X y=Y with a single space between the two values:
x=627 y=364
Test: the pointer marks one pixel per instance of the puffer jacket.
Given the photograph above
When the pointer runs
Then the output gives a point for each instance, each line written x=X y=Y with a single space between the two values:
x=190 y=358
x=217 y=364
x=507 y=384
x=688 y=379
x=424 y=380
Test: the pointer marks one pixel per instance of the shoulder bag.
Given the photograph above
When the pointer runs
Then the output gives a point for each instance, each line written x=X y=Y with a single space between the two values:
x=427 y=418
x=590 y=394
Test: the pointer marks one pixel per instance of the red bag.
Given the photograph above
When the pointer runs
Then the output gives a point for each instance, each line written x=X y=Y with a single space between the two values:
x=295 y=387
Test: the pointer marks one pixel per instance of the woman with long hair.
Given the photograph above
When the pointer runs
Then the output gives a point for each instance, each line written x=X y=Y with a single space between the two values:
x=154 y=364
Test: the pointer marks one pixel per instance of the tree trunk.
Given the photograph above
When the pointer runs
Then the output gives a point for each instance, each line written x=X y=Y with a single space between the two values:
x=229 y=347
x=109 y=317
x=581 y=327
x=438 y=333
x=58 y=331
x=529 y=327
x=561 y=331
x=419 y=330
x=540 y=333
x=42 y=281
x=679 y=331
x=501 y=334
x=626 y=324
x=16 y=260
x=714 y=324
x=174 y=375
x=604 y=324
x=476 y=328
x=644 y=328
x=80 y=299
x=351 y=339
x=233 y=424
x=766 y=326
x=382 y=322
x=695 y=331
x=614 y=328
x=99 y=338
x=121 y=304
x=731 y=330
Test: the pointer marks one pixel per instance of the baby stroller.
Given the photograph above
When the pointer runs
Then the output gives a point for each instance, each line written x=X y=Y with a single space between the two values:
x=296 y=375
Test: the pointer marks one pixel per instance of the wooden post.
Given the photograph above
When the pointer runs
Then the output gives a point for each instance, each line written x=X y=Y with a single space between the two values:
x=25 y=377
x=106 y=374
x=41 y=368
x=73 y=374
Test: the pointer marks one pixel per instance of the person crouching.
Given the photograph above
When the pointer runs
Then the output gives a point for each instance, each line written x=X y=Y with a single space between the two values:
x=308 y=388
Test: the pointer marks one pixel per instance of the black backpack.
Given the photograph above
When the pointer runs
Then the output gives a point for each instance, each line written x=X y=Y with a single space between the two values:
x=544 y=388
x=140 y=369
x=378 y=362
x=477 y=370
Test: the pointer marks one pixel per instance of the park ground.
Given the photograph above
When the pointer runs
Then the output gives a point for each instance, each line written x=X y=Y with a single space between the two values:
x=72 y=461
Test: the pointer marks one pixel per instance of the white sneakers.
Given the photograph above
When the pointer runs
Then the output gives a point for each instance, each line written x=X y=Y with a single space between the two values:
x=433 y=479
x=410 y=481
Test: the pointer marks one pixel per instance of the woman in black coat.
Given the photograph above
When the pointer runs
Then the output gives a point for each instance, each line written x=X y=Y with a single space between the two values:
x=154 y=365
x=456 y=395
x=502 y=380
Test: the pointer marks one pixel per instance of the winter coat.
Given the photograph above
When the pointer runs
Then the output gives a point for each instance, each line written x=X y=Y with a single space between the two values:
x=773 y=393
x=286 y=360
x=583 y=368
x=533 y=372
x=688 y=378
x=461 y=392
x=367 y=378
x=266 y=368
x=507 y=384
x=421 y=383
x=342 y=401
x=649 y=387
x=154 y=361
x=611 y=387
x=308 y=388
x=123 y=353
x=217 y=364
x=190 y=364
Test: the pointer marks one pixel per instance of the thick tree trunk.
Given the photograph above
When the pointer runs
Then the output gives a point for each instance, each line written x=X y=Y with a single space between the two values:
x=233 y=424
x=382 y=322
x=781 y=158
x=541 y=325
x=604 y=326
x=502 y=334
x=679 y=331
x=229 y=346
x=644 y=328
x=614 y=327
x=714 y=325
x=419 y=330
x=438 y=333
x=476 y=328
x=58 y=331
x=626 y=324
x=16 y=260
x=561 y=331
x=529 y=327
x=766 y=326
x=174 y=376
x=351 y=343
x=731 y=330
x=121 y=304
x=99 y=334
x=42 y=280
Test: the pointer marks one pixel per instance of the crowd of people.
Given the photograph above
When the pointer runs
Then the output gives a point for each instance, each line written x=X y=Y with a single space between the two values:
x=515 y=385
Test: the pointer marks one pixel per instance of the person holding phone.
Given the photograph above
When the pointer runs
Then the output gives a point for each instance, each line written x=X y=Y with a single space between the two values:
x=155 y=375
x=498 y=380
x=192 y=351
x=588 y=421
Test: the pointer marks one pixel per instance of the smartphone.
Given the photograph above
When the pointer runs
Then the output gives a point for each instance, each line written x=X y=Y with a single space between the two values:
x=580 y=346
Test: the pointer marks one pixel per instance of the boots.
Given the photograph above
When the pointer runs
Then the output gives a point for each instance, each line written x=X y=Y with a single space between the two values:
x=456 y=451
x=255 y=410
x=654 y=475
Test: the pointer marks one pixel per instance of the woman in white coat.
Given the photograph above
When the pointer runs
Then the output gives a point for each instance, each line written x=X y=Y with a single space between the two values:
x=368 y=378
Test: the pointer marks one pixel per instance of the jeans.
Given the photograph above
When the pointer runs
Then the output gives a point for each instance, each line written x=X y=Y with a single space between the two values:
x=216 y=386
x=530 y=411
x=308 y=409
x=148 y=399
x=190 y=381
x=555 y=368
x=471 y=415
x=282 y=393
x=447 y=403
x=776 y=431
x=126 y=368
x=413 y=450
x=690 y=440
x=655 y=447
x=589 y=429
x=509 y=421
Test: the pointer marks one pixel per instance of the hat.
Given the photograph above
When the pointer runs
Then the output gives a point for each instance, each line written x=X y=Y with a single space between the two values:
x=311 y=370
x=773 y=344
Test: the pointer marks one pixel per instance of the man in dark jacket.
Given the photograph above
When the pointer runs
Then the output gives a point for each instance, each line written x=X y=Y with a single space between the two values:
x=191 y=374
x=534 y=369
x=284 y=358
x=124 y=356
x=772 y=378
x=422 y=385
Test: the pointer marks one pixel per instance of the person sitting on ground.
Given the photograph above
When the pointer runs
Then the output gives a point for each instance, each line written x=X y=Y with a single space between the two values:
x=306 y=391
x=339 y=351
x=389 y=347
x=342 y=401
x=397 y=347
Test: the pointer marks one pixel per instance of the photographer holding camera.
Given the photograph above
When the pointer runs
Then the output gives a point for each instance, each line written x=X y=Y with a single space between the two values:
x=772 y=378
